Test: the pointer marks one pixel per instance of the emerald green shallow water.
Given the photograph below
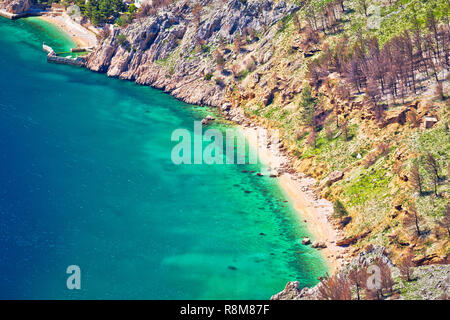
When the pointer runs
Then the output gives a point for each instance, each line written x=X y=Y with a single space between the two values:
x=86 y=179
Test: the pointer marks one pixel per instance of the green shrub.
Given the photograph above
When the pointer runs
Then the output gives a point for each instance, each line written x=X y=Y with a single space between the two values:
x=339 y=209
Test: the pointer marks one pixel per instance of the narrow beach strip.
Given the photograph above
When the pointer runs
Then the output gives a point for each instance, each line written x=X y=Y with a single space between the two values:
x=83 y=37
x=314 y=211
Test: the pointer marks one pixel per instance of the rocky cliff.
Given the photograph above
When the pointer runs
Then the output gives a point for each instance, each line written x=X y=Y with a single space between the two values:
x=15 y=6
x=174 y=50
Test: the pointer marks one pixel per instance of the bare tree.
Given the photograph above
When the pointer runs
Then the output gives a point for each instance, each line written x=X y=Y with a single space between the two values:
x=416 y=178
x=358 y=277
x=439 y=91
x=413 y=118
x=312 y=138
x=387 y=282
x=329 y=133
x=432 y=164
x=344 y=130
x=363 y=6
x=197 y=14
x=372 y=294
x=237 y=42
x=335 y=288
x=413 y=219
x=296 y=22
x=445 y=221
x=406 y=266
x=220 y=60
x=433 y=169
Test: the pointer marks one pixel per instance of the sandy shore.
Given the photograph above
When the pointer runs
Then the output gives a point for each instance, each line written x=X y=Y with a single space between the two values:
x=83 y=37
x=300 y=192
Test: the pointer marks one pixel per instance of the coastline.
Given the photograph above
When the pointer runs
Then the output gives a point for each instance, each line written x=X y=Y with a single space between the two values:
x=299 y=189
x=79 y=34
x=229 y=265
x=307 y=207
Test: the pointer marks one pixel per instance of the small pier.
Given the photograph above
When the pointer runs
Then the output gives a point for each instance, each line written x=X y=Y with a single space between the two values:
x=53 y=57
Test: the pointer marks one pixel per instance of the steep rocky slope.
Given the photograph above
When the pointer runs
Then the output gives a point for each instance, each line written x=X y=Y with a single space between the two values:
x=15 y=6
x=171 y=52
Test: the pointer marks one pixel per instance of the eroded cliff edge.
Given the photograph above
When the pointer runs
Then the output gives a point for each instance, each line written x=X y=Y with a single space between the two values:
x=174 y=51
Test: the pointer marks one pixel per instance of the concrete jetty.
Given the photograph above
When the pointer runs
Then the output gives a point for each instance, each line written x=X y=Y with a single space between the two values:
x=54 y=58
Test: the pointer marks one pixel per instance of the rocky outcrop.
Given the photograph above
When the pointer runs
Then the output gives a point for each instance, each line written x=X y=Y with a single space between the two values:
x=428 y=282
x=290 y=292
x=171 y=52
x=319 y=245
x=15 y=6
x=332 y=178
x=352 y=240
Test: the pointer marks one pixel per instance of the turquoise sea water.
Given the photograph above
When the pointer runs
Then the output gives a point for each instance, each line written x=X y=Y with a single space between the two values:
x=86 y=179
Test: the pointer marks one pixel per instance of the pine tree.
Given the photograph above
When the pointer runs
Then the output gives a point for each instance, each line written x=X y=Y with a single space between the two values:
x=308 y=107
x=339 y=209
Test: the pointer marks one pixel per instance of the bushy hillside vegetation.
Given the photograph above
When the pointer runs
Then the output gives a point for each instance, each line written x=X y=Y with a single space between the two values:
x=377 y=70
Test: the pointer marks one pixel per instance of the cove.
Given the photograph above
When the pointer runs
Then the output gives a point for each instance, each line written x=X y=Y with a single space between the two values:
x=87 y=179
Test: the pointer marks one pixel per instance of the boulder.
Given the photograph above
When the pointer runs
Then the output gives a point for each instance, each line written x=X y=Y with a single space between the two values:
x=274 y=174
x=306 y=241
x=290 y=292
x=319 y=245
x=395 y=116
x=332 y=178
x=352 y=240
x=429 y=122
x=226 y=106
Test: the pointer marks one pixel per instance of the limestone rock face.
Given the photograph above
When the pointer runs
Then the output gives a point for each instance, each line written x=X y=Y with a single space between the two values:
x=290 y=292
x=171 y=52
x=430 y=281
x=15 y=6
